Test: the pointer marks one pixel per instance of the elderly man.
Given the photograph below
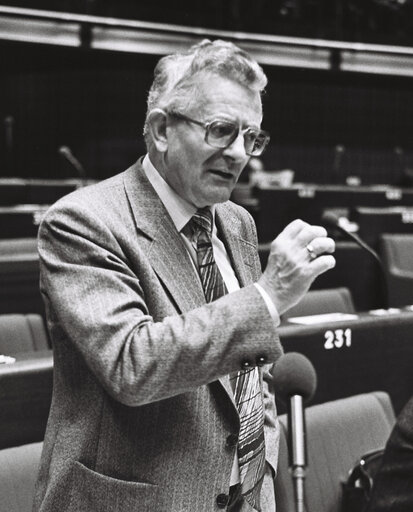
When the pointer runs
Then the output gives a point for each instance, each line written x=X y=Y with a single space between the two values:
x=163 y=325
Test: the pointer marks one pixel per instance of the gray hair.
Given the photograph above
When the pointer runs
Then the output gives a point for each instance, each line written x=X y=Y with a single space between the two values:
x=175 y=74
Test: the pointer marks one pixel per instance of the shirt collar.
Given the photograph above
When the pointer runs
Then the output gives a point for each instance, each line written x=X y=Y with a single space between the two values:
x=179 y=209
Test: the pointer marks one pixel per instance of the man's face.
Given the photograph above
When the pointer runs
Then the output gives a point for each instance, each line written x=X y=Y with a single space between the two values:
x=201 y=174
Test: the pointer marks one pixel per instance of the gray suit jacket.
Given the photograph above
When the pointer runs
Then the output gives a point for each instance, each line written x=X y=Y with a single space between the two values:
x=142 y=408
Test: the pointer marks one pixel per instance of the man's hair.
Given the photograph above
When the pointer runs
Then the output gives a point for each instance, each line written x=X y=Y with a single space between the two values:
x=175 y=75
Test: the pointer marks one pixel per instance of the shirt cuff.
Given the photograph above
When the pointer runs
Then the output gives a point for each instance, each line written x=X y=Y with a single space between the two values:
x=270 y=304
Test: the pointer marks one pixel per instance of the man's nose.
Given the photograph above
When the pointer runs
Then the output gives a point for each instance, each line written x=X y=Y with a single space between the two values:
x=236 y=150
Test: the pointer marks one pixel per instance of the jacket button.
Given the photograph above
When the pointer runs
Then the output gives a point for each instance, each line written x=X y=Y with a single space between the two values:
x=232 y=440
x=261 y=360
x=222 y=500
x=246 y=364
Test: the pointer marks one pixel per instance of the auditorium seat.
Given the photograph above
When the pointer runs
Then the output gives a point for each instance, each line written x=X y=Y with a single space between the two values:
x=338 y=434
x=22 y=333
x=19 y=276
x=18 y=474
x=397 y=251
x=317 y=302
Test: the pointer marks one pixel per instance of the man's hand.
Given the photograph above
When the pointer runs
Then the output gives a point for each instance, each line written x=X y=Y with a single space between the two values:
x=299 y=254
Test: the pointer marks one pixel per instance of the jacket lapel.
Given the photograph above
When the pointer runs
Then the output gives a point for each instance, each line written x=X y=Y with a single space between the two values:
x=162 y=242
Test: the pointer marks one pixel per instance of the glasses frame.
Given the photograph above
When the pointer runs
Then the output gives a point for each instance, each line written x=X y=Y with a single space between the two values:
x=207 y=126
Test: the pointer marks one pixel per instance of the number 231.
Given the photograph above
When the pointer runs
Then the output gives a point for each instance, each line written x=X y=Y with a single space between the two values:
x=337 y=339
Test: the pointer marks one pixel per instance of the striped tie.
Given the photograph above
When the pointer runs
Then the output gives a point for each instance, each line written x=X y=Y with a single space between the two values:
x=246 y=383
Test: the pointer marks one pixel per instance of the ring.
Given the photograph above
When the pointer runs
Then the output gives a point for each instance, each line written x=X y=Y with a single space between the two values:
x=311 y=251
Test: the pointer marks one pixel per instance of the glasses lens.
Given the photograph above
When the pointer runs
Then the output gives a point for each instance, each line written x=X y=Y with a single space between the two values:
x=255 y=142
x=221 y=134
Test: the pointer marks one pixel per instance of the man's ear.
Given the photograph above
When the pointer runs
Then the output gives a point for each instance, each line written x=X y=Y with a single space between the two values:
x=157 y=126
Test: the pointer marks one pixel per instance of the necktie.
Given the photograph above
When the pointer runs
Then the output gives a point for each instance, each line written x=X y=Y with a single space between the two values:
x=246 y=383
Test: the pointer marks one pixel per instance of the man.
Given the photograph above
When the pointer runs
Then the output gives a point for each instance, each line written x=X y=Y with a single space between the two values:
x=164 y=331
x=393 y=483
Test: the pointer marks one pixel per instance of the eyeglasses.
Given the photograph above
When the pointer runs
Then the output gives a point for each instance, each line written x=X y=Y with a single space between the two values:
x=221 y=134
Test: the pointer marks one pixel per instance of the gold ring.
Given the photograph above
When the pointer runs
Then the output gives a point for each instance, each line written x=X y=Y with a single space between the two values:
x=311 y=251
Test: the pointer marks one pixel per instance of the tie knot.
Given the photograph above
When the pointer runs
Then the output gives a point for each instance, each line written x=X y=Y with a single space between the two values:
x=202 y=220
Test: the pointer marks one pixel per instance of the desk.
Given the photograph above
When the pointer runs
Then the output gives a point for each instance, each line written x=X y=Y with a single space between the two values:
x=21 y=221
x=279 y=206
x=369 y=353
x=41 y=191
x=25 y=397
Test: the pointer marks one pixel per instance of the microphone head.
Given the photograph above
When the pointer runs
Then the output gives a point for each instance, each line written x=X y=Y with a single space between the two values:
x=65 y=151
x=294 y=374
x=329 y=218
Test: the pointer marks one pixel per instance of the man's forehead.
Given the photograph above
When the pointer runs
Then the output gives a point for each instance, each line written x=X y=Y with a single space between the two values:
x=226 y=98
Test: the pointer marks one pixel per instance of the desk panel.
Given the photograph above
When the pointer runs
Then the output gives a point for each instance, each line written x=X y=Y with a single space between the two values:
x=279 y=206
x=25 y=397
x=370 y=353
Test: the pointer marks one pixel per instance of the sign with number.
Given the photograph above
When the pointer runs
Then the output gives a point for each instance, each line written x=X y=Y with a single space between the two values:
x=337 y=338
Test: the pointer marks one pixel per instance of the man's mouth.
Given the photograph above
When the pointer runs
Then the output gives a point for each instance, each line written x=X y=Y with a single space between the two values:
x=222 y=174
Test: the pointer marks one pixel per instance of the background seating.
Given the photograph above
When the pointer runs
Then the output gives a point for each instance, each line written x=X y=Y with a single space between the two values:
x=397 y=253
x=316 y=302
x=18 y=474
x=338 y=434
x=22 y=333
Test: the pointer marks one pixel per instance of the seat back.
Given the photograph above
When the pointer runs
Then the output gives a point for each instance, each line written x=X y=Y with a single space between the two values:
x=338 y=434
x=22 y=333
x=317 y=302
x=397 y=251
x=18 y=474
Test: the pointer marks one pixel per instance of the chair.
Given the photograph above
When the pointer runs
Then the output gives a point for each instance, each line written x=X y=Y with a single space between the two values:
x=18 y=474
x=397 y=251
x=338 y=434
x=19 y=276
x=22 y=333
x=316 y=302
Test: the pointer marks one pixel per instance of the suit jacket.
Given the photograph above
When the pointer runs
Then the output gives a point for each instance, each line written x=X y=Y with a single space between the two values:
x=143 y=416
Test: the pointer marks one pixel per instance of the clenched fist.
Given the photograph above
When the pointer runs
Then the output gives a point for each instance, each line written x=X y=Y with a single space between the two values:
x=299 y=254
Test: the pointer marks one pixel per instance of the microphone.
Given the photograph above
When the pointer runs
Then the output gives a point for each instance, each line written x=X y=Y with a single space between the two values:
x=67 y=154
x=295 y=382
x=405 y=173
x=339 y=150
x=9 y=129
x=330 y=219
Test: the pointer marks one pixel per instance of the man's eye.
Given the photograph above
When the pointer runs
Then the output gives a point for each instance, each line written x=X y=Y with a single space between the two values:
x=221 y=129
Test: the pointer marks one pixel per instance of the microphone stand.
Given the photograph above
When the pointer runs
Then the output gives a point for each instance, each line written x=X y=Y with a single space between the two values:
x=298 y=454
